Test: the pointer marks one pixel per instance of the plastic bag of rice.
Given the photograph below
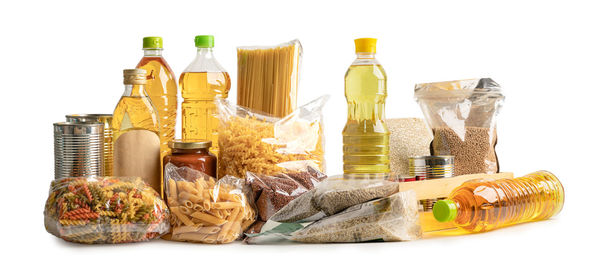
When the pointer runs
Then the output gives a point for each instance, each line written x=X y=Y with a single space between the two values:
x=409 y=137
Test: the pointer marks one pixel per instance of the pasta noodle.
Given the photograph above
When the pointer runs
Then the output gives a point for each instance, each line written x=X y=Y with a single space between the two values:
x=105 y=210
x=218 y=209
x=266 y=145
x=268 y=78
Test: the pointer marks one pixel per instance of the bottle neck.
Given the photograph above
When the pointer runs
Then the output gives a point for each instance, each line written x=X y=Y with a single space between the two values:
x=205 y=52
x=153 y=52
x=135 y=91
x=365 y=55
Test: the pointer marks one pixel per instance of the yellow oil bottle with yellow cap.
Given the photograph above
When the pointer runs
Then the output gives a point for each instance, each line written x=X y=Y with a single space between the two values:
x=366 y=137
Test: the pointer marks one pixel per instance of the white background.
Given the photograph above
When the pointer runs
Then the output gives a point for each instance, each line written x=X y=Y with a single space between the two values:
x=67 y=57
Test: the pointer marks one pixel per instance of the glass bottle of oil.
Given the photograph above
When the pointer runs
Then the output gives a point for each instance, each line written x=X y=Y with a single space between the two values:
x=200 y=83
x=478 y=206
x=162 y=89
x=136 y=132
x=366 y=137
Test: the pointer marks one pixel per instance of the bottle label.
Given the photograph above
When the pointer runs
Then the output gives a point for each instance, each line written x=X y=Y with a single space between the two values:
x=137 y=153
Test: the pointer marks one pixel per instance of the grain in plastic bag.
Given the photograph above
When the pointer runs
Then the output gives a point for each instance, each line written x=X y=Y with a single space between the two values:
x=332 y=195
x=251 y=141
x=271 y=193
x=203 y=209
x=105 y=210
x=462 y=115
x=391 y=218
x=268 y=77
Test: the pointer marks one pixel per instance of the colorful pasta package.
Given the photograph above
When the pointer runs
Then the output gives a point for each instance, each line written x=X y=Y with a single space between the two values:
x=105 y=210
x=203 y=209
x=252 y=142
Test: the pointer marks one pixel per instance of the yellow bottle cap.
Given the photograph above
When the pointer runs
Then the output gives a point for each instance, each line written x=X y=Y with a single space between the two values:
x=365 y=45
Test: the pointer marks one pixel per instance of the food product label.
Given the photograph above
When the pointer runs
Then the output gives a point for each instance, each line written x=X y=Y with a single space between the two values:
x=137 y=153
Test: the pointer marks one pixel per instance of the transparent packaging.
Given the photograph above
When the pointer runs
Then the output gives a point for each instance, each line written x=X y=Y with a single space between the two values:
x=254 y=142
x=462 y=115
x=161 y=87
x=271 y=193
x=203 y=81
x=268 y=77
x=483 y=205
x=105 y=210
x=205 y=210
x=333 y=195
x=391 y=218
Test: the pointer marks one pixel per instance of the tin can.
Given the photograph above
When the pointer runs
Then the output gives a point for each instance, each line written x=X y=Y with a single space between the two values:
x=105 y=119
x=78 y=149
x=431 y=167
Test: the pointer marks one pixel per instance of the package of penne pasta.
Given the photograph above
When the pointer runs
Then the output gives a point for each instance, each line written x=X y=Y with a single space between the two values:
x=250 y=141
x=105 y=210
x=203 y=209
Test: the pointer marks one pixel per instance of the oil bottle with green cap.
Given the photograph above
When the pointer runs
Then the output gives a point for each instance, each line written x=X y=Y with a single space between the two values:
x=200 y=83
x=366 y=136
x=161 y=87
x=480 y=205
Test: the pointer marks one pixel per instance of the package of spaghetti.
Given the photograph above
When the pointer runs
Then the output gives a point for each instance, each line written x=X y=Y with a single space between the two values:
x=250 y=141
x=203 y=209
x=105 y=210
x=268 y=77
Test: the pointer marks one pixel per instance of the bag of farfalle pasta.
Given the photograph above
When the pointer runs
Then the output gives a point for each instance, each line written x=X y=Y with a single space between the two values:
x=105 y=210
x=253 y=142
x=203 y=209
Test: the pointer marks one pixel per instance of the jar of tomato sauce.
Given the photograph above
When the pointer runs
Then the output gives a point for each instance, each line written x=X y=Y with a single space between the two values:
x=193 y=154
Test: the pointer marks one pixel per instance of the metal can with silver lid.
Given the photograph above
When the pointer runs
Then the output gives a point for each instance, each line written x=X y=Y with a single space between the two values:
x=78 y=149
x=105 y=119
x=431 y=167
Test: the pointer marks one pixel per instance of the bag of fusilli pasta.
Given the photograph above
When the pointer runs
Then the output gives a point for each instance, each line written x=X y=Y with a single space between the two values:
x=105 y=210
x=253 y=142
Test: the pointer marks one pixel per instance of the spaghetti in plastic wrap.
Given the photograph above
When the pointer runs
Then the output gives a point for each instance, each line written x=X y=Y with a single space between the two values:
x=205 y=210
x=251 y=141
x=105 y=210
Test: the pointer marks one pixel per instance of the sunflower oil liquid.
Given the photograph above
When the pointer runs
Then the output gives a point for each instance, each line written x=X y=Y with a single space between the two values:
x=161 y=87
x=487 y=205
x=199 y=114
x=365 y=136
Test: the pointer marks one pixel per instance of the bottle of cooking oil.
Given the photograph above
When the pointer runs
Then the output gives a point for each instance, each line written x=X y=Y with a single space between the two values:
x=200 y=83
x=478 y=206
x=136 y=132
x=366 y=137
x=162 y=89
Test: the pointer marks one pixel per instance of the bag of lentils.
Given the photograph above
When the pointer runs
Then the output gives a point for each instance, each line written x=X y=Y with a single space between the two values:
x=462 y=115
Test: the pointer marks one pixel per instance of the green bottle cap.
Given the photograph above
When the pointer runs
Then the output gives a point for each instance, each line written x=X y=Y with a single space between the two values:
x=444 y=210
x=206 y=41
x=153 y=43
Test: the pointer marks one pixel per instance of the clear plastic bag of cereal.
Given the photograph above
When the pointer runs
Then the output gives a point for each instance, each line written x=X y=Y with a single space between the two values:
x=205 y=210
x=97 y=210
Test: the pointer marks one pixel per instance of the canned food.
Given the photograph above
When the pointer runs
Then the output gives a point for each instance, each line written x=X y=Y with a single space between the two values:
x=431 y=167
x=105 y=119
x=78 y=149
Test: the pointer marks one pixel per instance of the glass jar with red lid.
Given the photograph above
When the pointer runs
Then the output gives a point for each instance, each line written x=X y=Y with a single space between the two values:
x=193 y=154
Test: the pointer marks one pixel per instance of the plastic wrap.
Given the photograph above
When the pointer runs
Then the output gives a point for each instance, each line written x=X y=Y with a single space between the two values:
x=271 y=193
x=332 y=195
x=268 y=77
x=462 y=115
x=392 y=218
x=105 y=210
x=205 y=210
x=250 y=141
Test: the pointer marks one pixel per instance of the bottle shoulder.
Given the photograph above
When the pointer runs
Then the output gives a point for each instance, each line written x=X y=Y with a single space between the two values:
x=204 y=64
